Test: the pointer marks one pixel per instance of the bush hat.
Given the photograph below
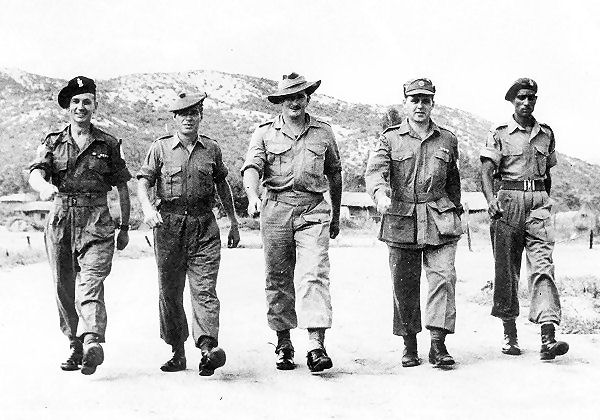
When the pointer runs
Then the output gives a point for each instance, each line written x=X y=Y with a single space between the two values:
x=521 y=83
x=75 y=86
x=290 y=84
x=420 y=86
x=185 y=100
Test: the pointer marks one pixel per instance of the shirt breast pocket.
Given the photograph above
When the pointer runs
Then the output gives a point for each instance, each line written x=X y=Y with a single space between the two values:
x=205 y=180
x=541 y=159
x=173 y=182
x=402 y=165
x=99 y=162
x=315 y=158
x=280 y=158
x=59 y=165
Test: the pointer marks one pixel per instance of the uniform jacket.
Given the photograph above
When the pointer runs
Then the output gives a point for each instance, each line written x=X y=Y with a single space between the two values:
x=519 y=155
x=288 y=163
x=94 y=169
x=181 y=176
x=424 y=182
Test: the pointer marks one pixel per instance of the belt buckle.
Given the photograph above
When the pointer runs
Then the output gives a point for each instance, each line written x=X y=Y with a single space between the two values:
x=528 y=185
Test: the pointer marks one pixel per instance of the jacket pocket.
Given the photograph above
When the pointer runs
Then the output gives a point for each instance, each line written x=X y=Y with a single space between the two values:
x=173 y=181
x=280 y=158
x=399 y=227
x=315 y=158
x=539 y=224
x=447 y=221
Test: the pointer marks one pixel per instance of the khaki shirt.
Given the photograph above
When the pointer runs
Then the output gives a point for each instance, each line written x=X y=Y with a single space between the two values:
x=288 y=163
x=96 y=168
x=424 y=182
x=181 y=176
x=519 y=154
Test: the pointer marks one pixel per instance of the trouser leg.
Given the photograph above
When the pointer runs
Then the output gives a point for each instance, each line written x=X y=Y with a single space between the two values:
x=545 y=300
x=508 y=250
x=280 y=261
x=170 y=260
x=311 y=235
x=405 y=267
x=438 y=262
x=60 y=256
x=204 y=256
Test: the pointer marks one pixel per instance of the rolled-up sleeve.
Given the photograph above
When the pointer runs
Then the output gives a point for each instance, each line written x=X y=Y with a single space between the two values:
x=552 y=161
x=333 y=163
x=43 y=157
x=119 y=173
x=256 y=155
x=220 y=172
x=492 y=149
x=151 y=166
x=453 y=180
x=378 y=166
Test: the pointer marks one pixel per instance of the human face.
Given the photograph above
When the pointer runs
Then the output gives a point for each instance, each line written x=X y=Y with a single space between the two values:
x=294 y=106
x=524 y=103
x=188 y=120
x=82 y=107
x=418 y=107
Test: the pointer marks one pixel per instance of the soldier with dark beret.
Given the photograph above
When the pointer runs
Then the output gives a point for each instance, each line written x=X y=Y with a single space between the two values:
x=521 y=153
x=421 y=224
x=186 y=168
x=76 y=167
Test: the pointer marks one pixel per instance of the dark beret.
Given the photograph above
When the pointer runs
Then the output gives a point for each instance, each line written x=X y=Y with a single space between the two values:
x=185 y=100
x=522 y=83
x=76 y=86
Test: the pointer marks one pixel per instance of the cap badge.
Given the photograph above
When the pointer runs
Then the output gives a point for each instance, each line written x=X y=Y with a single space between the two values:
x=79 y=82
x=421 y=83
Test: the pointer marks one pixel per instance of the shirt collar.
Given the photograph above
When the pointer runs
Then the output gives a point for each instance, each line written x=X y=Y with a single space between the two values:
x=94 y=134
x=177 y=141
x=512 y=126
x=279 y=122
x=405 y=128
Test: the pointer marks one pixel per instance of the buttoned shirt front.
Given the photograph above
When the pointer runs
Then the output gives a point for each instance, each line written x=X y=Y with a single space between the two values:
x=519 y=153
x=94 y=168
x=184 y=176
x=424 y=182
x=286 y=162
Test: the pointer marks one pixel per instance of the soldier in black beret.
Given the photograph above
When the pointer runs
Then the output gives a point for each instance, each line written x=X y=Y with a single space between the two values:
x=522 y=152
x=76 y=167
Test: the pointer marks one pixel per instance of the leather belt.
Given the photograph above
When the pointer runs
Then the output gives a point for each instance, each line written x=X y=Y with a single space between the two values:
x=183 y=209
x=419 y=197
x=295 y=198
x=80 y=200
x=525 y=185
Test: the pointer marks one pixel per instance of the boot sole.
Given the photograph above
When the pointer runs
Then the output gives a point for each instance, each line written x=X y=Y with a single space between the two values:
x=512 y=352
x=92 y=358
x=411 y=363
x=442 y=362
x=285 y=366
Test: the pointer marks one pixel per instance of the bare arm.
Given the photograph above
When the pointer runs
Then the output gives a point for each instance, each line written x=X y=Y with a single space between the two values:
x=224 y=191
x=125 y=206
x=487 y=185
x=151 y=215
x=38 y=182
x=251 y=180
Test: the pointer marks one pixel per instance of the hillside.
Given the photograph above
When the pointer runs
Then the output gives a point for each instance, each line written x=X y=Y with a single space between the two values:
x=133 y=107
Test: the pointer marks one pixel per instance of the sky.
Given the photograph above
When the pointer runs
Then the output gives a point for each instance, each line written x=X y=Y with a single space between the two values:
x=363 y=51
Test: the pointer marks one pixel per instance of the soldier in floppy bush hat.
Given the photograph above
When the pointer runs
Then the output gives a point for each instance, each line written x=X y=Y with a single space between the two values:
x=522 y=152
x=187 y=168
x=296 y=156
x=77 y=166
x=421 y=224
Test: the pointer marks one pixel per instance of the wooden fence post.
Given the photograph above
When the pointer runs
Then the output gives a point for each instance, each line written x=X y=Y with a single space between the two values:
x=591 y=238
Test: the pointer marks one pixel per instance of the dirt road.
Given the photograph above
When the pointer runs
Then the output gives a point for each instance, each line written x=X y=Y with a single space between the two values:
x=366 y=381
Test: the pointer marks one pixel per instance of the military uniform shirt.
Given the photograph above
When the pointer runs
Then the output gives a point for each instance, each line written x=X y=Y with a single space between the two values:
x=288 y=163
x=94 y=169
x=181 y=175
x=519 y=154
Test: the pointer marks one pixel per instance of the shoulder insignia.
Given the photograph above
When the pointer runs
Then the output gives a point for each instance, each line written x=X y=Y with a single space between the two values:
x=164 y=137
x=54 y=134
x=499 y=126
x=266 y=123
x=390 y=128
x=323 y=122
x=546 y=127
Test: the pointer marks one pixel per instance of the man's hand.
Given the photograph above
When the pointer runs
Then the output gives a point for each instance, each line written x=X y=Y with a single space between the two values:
x=383 y=201
x=122 y=239
x=254 y=204
x=48 y=191
x=152 y=217
x=233 y=239
x=494 y=209
x=334 y=227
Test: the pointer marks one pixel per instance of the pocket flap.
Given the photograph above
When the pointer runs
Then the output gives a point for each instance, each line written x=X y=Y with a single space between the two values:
x=512 y=150
x=278 y=148
x=442 y=205
x=400 y=155
x=540 y=214
x=316 y=148
x=173 y=170
x=442 y=154
x=541 y=150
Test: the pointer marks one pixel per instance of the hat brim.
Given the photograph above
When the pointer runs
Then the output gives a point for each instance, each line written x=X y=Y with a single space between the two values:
x=419 y=92
x=308 y=87
x=187 y=102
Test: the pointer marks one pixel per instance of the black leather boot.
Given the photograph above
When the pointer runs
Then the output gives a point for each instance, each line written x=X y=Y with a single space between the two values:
x=511 y=344
x=177 y=363
x=213 y=357
x=550 y=347
x=93 y=354
x=410 y=357
x=74 y=360
x=285 y=355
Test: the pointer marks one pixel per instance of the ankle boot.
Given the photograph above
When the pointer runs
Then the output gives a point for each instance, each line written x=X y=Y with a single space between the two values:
x=410 y=357
x=93 y=354
x=74 y=360
x=550 y=347
x=511 y=344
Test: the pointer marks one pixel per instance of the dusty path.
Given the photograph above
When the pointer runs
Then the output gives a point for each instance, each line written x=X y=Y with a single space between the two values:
x=366 y=381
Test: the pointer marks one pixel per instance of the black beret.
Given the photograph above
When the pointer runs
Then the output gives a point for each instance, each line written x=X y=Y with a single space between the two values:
x=185 y=100
x=76 y=86
x=522 y=83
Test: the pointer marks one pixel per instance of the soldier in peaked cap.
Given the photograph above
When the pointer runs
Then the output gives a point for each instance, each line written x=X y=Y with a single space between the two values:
x=421 y=219
x=522 y=152
x=296 y=156
x=76 y=167
x=186 y=168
